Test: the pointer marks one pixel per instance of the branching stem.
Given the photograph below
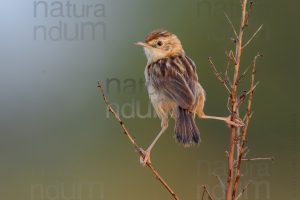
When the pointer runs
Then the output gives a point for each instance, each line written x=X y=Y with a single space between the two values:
x=133 y=142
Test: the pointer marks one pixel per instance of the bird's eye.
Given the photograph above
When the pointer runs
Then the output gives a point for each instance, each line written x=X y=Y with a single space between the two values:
x=159 y=43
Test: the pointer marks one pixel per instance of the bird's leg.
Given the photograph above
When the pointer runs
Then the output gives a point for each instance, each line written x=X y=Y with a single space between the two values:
x=146 y=158
x=227 y=120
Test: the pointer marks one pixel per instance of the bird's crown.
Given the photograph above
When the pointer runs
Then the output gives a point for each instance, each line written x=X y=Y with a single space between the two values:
x=157 y=34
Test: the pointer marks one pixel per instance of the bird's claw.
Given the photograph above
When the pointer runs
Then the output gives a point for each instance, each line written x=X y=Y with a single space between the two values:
x=237 y=122
x=145 y=158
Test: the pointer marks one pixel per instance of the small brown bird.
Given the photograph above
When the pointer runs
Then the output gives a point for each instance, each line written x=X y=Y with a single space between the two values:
x=173 y=87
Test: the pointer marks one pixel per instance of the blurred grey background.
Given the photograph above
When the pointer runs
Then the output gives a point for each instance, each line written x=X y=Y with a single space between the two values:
x=57 y=141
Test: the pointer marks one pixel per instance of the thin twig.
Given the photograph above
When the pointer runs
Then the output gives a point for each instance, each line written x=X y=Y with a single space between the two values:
x=245 y=94
x=226 y=76
x=232 y=26
x=205 y=190
x=243 y=75
x=243 y=191
x=245 y=152
x=231 y=56
x=228 y=105
x=203 y=193
x=218 y=75
x=258 y=159
x=253 y=36
x=132 y=141
x=246 y=20
x=220 y=181
x=246 y=116
x=252 y=159
x=252 y=89
x=242 y=98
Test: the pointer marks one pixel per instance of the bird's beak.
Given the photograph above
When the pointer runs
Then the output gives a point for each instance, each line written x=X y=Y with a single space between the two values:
x=143 y=44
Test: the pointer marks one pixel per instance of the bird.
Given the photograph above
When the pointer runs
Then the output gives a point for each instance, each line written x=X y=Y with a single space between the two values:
x=174 y=90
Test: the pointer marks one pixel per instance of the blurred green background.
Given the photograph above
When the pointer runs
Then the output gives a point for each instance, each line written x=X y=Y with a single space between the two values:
x=57 y=141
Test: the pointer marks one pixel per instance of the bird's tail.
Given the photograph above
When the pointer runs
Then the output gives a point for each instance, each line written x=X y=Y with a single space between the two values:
x=186 y=130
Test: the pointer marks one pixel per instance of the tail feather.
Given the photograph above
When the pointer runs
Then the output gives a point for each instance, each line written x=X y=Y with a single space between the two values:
x=186 y=130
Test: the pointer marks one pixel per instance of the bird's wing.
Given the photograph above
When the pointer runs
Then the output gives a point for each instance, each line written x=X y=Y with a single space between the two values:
x=176 y=77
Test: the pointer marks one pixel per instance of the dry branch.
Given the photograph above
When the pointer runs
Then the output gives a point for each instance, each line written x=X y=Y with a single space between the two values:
x=232 y=26
x=253 y=36
x=205 y=190
x=230 y=55
x=236 y=150
x=226 y=76
x=135 y=145
x=257 y=159
x=218 y=74
x=243 y=75
x=220 y=181
x=245 y=128
x=242 y=192
x=234 y=104
x=245 y=152
x=252 y=88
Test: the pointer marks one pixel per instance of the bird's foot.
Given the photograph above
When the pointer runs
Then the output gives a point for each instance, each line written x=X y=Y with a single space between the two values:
x=145 y=158
x=237 y=122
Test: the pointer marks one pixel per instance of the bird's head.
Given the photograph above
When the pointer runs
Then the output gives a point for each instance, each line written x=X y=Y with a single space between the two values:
x=161 y=44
